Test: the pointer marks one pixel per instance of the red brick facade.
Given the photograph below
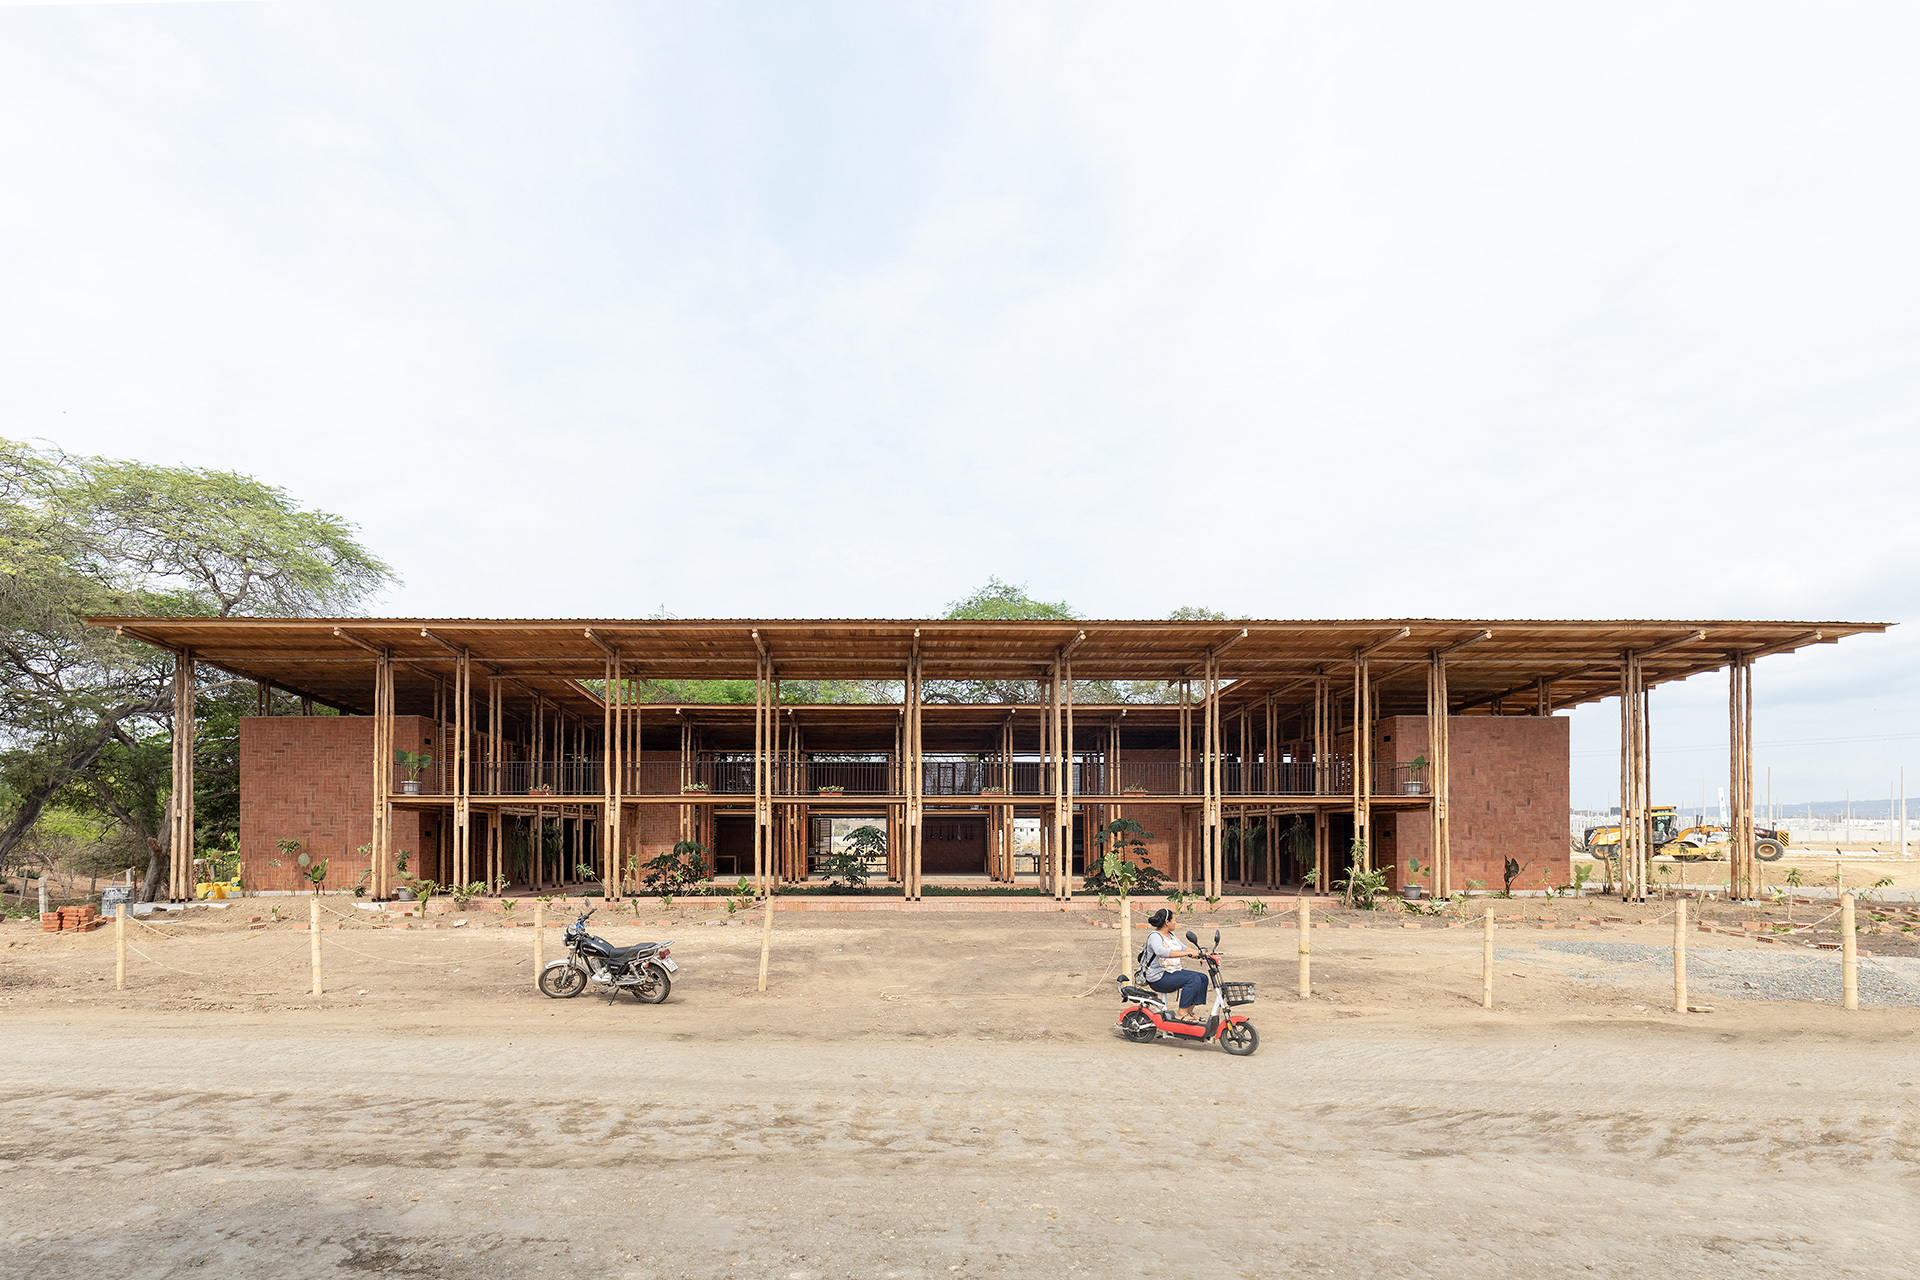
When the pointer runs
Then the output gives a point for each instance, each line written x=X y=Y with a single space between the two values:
x=310 y=778
x=1510 y=790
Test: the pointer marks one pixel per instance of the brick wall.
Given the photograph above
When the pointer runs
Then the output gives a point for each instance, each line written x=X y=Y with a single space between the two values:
x=310 y=778
x=1510 y=791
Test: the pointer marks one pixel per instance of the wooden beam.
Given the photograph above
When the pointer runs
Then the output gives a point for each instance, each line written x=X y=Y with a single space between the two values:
x=1367 y=651
x=358 y=643
x=1458 y=645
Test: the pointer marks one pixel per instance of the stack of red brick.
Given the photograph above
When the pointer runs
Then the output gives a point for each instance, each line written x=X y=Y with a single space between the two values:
x=70 y=920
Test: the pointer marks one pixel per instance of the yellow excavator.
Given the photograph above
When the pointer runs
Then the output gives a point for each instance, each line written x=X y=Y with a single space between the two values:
x=1703 y=843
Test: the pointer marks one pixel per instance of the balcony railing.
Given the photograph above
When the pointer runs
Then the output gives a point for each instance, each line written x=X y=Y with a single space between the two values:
x=731 y=776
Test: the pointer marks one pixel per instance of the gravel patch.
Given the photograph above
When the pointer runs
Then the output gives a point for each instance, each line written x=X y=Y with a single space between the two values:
x=1751 y=975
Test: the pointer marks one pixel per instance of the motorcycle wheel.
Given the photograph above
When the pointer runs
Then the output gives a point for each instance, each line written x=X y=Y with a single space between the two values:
x=1138 y=1027
x=1239 y=1039
x=654 y=986
x=563 y=982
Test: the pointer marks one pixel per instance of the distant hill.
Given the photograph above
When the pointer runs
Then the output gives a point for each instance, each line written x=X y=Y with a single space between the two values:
x=1877 y=810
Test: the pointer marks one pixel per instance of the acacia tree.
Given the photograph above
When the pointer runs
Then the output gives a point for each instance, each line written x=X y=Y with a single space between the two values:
x=1006 y=600
x=81 y=709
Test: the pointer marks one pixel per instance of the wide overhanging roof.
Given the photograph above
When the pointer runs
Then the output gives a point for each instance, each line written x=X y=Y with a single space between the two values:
x=332 y=659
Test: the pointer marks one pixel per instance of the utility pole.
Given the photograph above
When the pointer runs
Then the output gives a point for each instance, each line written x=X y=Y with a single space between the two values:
x=1903 y=810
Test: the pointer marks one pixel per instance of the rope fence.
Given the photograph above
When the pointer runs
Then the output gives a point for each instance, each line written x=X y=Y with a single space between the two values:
x=1718 y=969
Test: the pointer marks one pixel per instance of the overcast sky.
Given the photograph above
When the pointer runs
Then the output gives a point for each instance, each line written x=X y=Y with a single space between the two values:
x=1465 y=310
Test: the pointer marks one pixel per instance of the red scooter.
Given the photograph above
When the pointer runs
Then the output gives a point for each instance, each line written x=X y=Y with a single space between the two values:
x=1147 y=1017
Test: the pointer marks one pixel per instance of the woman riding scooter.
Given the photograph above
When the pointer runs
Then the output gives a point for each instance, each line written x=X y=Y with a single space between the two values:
x=1164 y=973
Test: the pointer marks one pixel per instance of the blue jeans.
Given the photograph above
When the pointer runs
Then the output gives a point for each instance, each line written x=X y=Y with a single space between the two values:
x=1191 y=986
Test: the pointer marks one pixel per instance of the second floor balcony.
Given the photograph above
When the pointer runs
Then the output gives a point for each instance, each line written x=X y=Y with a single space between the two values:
x=795 y=775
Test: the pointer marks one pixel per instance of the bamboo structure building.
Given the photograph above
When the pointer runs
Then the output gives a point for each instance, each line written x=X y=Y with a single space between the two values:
x=1279 y=753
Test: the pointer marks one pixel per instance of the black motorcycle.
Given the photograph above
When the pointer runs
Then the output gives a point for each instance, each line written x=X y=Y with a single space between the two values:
x=644 y=970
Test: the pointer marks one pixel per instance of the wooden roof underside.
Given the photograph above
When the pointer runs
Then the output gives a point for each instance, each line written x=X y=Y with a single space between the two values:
x=331 y=659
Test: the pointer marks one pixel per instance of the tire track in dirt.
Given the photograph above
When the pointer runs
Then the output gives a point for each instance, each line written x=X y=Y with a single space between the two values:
x=188 y=1128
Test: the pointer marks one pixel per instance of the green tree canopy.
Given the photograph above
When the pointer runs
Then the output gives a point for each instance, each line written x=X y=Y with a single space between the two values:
x=81 y=708
x=1004 y=601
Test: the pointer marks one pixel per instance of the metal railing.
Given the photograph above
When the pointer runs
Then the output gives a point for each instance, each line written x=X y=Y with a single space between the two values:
x=731 y=775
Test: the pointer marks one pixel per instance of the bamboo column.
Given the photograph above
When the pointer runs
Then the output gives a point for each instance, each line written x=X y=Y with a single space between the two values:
x=1362 y=762
x=1740 y=854
x=1270 y=786
x=1209 y=831
x=1049 y=778
x=1322 y=695
x=493 y=851
x=463 y=768
x=1626 y=776
x=1322 y=853
x=120 y=946
x=916 y=778
x=759 y=782
x=686 y=775
x=381 y=880
x=897 y=785
x=1634 y=829
x=1439 y=827
x=1186 y=737
x=612 y=743
x=185 y=730
x=1065 y=880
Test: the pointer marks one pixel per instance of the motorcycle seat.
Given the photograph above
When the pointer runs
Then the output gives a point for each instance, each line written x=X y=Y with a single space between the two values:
x=625 y=955
x=1138 y=993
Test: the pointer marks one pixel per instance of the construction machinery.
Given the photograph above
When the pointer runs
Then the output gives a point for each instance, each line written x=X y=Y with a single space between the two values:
x=1704 y=842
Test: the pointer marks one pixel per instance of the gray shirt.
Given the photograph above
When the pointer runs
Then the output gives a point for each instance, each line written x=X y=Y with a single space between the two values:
x=1159 y=952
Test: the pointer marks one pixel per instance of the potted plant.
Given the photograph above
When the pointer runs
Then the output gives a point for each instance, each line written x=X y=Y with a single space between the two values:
x=540 y=789
x=832 y=791
x=993 y=791
x=1414 y=785
x=413 y=762
x=693 y=789
x=1133 y=791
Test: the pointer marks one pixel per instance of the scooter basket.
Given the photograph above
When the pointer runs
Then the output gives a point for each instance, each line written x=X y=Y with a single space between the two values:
x=1237 y=992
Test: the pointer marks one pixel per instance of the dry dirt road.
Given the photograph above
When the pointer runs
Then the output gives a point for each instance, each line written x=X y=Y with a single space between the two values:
x=929 y=1096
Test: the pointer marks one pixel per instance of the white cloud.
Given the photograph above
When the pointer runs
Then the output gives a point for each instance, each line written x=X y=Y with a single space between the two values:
x=1293 y=310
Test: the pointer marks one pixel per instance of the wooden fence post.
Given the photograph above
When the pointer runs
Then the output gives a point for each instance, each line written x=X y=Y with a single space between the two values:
x=766 y=942
x=1680 y=956
x=1849 y=961
x=1306 y=948
x=313 y=931
x=119 y=946
x=539 y=939
x=1486 y=959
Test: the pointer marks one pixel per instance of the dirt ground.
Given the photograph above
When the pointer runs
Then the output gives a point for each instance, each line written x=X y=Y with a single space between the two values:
x=939 y=1095
x=1819 y=867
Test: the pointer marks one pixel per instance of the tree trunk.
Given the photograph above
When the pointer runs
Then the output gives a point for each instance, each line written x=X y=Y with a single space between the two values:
x=159 y=849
